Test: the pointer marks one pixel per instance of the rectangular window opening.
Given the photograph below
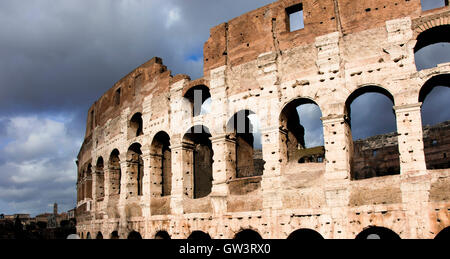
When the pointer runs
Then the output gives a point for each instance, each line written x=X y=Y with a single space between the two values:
x=117 y=97
x=295 y=17
x=433 y=4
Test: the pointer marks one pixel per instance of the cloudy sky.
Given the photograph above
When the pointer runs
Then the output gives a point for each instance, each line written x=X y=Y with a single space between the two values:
x=58 y=57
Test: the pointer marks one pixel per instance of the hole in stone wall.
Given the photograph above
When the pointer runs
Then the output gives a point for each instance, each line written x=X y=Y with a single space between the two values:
x=378 y=233
x=305 y=234
x=161 y=163
x=117 y=97
x=295 y=17
x=248 y=235
x=433 y=47
x=199 y=235
x=135 y=173
x=199 y=98
x=373 y=127
x=136 y=126
x=301 y=119
x=198 y=157
x=249 y=158
x=115 y=173
x=436 y=121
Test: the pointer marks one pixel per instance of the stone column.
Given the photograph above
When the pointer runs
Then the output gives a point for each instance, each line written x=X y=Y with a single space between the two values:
x=415 y=179
x=123 y=222
x=178 y=168
x=224 y=169
x=274 y=154
x=410 y=139
x=146 y=184
x=338 y=152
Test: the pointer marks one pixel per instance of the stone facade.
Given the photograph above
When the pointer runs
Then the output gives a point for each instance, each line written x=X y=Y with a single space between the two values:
x=142 y=170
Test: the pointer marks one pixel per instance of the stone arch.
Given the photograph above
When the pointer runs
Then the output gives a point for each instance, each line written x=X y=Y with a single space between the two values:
x=198 y=158
x=88 y=182
x=161 y=164
x=99 y=235
x=114 y=235
x=100 y=179
x=115 y=173
x=377 y=155
x=197 y=95
x=199 y=235
x=162 y=235
x=245 y=127
x=435 y=136
x=305 y=234
x=134 y=235
x=298 y=148
x=136 y=126
x=135 y=171
x=444 y=234
x=430 y=38
x=248 y=235
x=378 y=233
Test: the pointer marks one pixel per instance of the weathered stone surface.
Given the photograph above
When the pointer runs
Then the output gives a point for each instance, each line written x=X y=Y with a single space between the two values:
x=255 y=63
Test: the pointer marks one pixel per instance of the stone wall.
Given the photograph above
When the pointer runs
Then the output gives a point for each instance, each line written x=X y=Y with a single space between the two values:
x=255 y=63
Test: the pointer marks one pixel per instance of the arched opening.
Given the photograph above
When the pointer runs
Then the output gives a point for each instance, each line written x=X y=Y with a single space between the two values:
x=305 y=234
x=199 y=98
x=248 y=235
x=444 y=234
x=301 y=119
x=99 y=235
x=134 y=235
x=100 y=179
x=88 y=235
x=114 y=235
x=198 y=159
x=161 y=163
x=374 y=130
x=135 y=173
x=162 y=235
x=378 y=233
x=433 y=47
x=115 y=173
x=436 y=121
x=88 y=183
x=136 y=126
x=249 y=158
x=82 y=235
x=199 y=235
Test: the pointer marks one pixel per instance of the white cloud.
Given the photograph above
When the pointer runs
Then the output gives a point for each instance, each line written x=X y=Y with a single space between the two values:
x=38 y=165
x=173 y=16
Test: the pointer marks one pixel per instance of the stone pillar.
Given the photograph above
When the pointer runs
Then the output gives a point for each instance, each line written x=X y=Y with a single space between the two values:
x=146 y=184
x=410 y=139
x=415 y=178
x=176 y=199
x=338 y=152
x=123 y=222
x=94 y=184
x=224 y=169
x=274 y=154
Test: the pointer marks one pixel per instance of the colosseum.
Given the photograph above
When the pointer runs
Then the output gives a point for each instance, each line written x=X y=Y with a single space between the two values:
x=155 y=164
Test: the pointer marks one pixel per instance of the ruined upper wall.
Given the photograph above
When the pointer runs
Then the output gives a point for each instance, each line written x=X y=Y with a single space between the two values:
x=244 y=38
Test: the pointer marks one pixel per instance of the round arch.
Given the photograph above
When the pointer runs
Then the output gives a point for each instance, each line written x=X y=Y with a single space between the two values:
x=430 y=84
x=99 y=235
x=114 y=235
x=135 y=171
x=161 y=162
x=134 y=235
x=162 y=235
x=444 y=234
x=432 y=36
x=248 y=235
x=199 y=155
x=136 y=126
x=378 y=233
x=305 y=234
x=199 y=235
x=369 y=88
